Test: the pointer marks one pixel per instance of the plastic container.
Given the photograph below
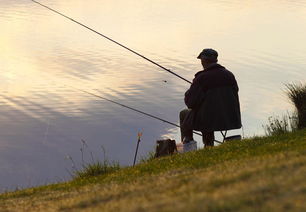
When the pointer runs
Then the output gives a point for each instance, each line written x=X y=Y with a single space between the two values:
x=190 y=146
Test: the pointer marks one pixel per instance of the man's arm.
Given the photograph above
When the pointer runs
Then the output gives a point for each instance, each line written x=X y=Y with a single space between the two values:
x=194 y=95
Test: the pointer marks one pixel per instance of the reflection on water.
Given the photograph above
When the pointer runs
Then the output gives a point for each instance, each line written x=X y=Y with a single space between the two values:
x=43 y=119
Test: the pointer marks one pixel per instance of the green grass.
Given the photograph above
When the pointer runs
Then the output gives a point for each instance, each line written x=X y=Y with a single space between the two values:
x=277 y=126
x=95 y=169
x=258 y=174
x=297 y=95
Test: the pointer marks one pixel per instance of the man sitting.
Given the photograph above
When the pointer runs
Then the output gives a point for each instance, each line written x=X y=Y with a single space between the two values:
x=212 y=101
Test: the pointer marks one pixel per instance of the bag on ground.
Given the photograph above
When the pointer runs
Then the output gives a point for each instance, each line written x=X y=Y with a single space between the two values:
x=165 y=147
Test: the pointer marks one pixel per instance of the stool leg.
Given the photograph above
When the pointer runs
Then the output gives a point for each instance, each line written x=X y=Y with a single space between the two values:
x=224 y=135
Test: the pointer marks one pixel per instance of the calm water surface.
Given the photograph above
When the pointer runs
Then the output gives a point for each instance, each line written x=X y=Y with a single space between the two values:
x=43 y=120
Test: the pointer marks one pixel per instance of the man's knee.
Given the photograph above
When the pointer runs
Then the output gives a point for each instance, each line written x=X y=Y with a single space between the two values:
x=183 y=114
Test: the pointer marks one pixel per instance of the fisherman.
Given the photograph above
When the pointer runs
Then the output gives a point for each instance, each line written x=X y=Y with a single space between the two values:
x=212 y=101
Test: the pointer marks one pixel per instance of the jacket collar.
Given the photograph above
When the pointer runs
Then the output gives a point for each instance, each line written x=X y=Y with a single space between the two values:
x=209 y=68
x=212 y=66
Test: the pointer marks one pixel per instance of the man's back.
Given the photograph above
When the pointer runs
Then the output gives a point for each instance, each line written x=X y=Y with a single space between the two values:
x=213 y=98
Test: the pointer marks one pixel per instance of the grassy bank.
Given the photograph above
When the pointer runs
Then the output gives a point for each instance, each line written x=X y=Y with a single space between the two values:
x=259 y=174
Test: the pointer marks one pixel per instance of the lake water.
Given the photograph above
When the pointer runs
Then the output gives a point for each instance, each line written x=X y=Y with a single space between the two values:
x=43 y=120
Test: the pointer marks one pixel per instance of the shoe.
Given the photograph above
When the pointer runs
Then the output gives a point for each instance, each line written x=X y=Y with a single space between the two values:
x=187 y=140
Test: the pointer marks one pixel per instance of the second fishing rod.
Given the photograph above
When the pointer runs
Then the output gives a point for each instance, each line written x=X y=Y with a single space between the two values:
x=130 y=108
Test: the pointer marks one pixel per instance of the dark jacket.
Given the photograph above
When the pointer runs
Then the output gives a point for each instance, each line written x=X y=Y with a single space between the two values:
x=213 y=100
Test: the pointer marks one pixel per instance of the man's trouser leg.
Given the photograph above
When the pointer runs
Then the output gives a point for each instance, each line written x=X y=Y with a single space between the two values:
x=208 y=138
x=185 y=132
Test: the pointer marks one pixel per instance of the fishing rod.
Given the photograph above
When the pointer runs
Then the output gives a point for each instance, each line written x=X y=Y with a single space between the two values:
x=108 y=38
x=136 y=110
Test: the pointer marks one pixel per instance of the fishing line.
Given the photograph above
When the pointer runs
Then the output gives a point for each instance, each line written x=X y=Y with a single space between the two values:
x=108 y=38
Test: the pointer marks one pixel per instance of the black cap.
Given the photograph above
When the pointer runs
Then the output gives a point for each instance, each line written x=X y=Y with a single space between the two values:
x=209 y=54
